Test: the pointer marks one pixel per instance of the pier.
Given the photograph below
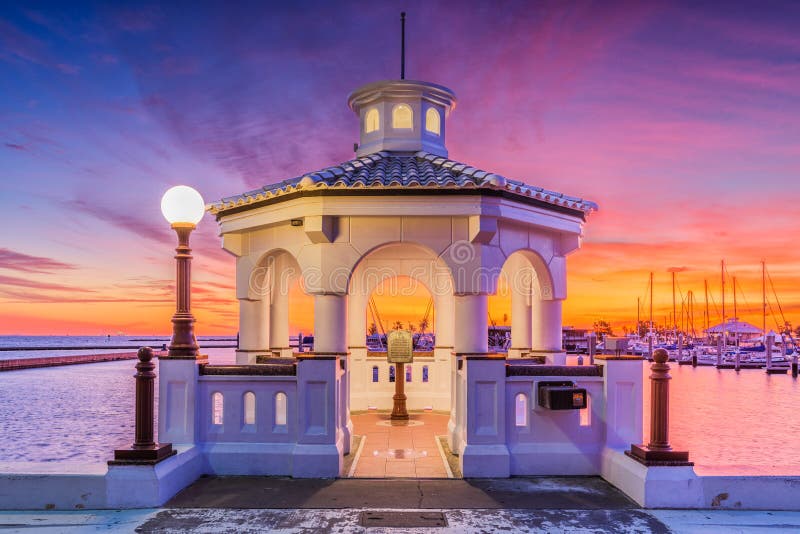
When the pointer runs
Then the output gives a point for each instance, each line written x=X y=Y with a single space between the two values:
x=33 y=363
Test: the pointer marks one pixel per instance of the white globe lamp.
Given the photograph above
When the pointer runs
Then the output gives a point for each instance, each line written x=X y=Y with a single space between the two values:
x=182 y=205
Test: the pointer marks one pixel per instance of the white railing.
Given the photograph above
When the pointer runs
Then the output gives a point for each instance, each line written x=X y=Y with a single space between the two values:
x=249 y=409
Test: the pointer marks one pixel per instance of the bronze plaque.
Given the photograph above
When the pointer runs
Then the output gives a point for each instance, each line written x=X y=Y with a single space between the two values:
x=399 y=347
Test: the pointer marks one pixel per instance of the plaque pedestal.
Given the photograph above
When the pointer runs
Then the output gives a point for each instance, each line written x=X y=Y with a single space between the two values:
x=399 y=412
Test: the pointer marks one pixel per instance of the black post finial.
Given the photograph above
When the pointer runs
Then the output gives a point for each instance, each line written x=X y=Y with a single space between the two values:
x=403 y=45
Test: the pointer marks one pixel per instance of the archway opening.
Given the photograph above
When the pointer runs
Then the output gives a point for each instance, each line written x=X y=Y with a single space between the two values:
x=522 y=319
x=285 y=319
x=400 y=303
x=301 y=317
x=390 y=448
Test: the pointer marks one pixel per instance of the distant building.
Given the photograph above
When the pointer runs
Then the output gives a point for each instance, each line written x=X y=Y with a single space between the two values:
x=574 y=340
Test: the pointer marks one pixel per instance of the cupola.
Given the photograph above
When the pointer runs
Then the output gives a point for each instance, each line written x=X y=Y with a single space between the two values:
x=402 y=116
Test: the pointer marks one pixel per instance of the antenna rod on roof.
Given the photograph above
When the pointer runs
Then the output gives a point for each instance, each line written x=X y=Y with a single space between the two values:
x=403 y=45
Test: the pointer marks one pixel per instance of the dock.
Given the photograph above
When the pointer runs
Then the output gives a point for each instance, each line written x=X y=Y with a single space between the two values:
x=54 y=361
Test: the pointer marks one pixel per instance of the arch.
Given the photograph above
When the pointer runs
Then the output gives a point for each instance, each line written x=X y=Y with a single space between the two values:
x=274 y=269
x=372 y=121
x=402 y=117
x=521 y=410
x=249 y=411
x=217 y=408
x=433 y=121
x=277 y=279
x=280 y=409
x=396 y=259
x=527 y=272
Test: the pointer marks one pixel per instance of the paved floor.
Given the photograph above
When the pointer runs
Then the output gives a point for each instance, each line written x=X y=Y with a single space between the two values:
x=571 y=493
x=402 y=449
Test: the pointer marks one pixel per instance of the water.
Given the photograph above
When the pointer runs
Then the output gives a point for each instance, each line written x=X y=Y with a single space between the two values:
x=89 y=341
x=73 y=413
x=731 y=423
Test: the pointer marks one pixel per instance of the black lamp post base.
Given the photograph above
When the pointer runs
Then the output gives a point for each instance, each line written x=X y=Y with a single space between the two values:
x=143 y=455
x=654 y=457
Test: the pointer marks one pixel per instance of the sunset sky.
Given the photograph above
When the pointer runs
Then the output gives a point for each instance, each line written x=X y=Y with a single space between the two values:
x=681 y=120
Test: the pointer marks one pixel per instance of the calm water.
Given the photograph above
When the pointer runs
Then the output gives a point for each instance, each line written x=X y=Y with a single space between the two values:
x=731 y=423
x=734 y=423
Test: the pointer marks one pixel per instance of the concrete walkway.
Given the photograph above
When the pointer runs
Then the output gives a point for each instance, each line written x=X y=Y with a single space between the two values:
x=458 y=521
x=572 y=493
x=259 y=504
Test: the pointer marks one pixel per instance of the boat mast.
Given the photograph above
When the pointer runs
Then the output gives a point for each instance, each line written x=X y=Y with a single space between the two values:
x=724 y=332
x=674 y=315
x=651 y=303
x=735 y=313
x=723 y=291
x=706 y=318
x=637 y=316
x=763 y=299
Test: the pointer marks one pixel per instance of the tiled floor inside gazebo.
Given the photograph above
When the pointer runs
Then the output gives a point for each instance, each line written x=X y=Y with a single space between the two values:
x=392 y=449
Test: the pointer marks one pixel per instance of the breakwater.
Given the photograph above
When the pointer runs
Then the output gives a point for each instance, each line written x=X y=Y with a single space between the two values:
x=33 y=363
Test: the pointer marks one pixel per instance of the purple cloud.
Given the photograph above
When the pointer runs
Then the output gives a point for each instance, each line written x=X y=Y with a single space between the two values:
x=18 y=261
x=125 y=219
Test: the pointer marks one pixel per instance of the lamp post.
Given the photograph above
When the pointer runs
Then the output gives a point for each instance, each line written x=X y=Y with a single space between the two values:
x=658 y=452
x=183 y=208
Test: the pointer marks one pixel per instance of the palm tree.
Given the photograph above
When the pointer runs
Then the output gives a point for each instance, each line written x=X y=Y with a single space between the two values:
x=398 y=325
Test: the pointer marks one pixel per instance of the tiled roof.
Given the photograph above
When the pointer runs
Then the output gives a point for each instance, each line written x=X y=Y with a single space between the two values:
x=386 y=170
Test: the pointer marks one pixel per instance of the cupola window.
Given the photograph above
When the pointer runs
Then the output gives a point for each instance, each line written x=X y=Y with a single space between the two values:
x=402 y=117
x=372 y=121
x=433 y=122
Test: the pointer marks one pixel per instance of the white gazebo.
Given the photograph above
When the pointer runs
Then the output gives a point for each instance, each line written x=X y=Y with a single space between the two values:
x=401 y=207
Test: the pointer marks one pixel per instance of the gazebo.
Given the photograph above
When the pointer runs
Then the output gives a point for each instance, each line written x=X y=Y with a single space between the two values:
x=401 y=207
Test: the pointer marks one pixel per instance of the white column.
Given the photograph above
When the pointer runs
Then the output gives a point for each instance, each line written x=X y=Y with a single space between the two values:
x=330 y=323
x=547 y=335
x=471 y=336
x=520 y=323
x=279 y=323
x=471 y=323
x=253 y=330
x=330 y=335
